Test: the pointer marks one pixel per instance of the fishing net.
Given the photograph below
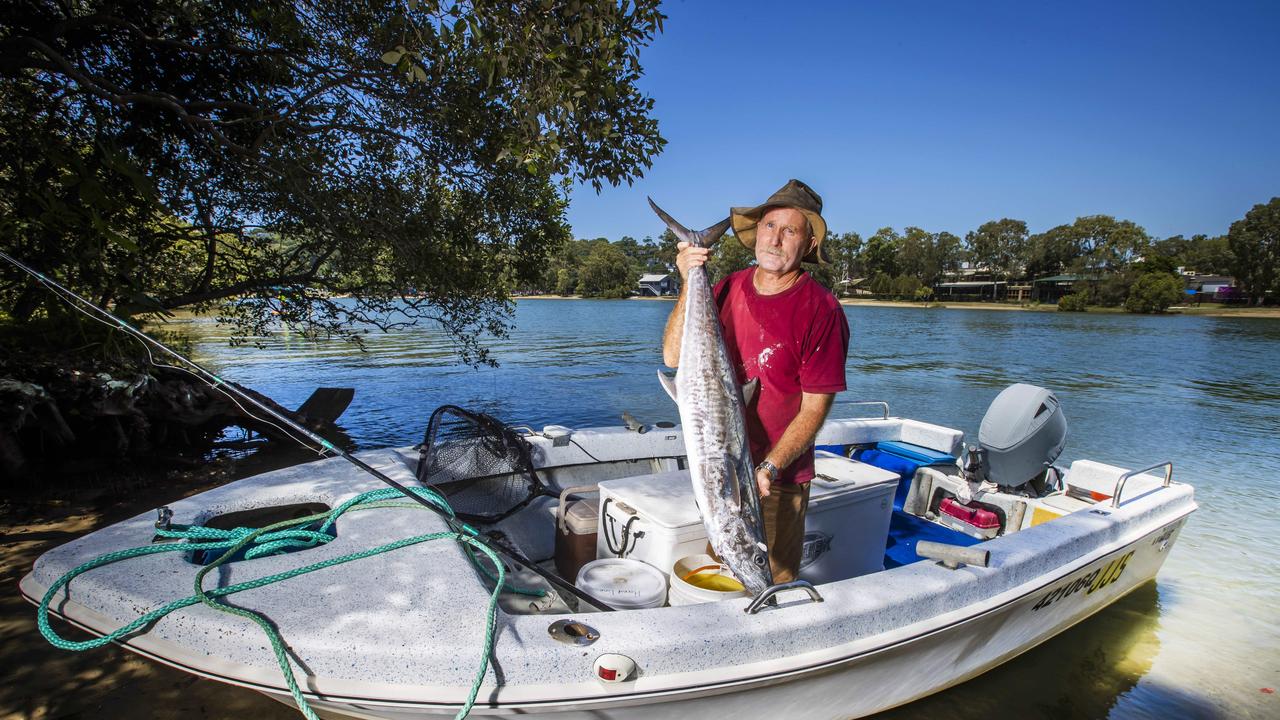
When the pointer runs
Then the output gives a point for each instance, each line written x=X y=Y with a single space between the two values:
x=480 y=465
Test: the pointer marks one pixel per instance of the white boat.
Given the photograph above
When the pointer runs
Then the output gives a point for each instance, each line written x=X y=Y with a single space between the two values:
x=401 y=634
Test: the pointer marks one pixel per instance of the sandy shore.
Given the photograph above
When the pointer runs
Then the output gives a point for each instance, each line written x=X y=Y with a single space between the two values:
x=107 y=683
x=1206 y=310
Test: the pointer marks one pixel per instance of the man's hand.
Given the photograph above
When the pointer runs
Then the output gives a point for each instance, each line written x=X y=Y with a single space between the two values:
x=688 y=256
x=763 y=482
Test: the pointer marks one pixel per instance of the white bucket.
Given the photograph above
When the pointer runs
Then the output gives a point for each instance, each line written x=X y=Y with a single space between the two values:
x=694 y=579
x=623 y=584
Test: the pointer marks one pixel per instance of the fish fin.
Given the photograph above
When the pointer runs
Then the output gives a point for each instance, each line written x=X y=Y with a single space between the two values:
x=749 y=390
x=702 y=238
x=669 y=385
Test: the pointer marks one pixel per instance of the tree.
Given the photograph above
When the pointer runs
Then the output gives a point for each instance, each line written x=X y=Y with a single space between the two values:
x=667 y=252
x=913 y=253
x=566 y=282
x=881 y=284
x=1210 y=255
x=907 y=287
x=606 y=273
x=842 y=251
x=880 y=252
x=1255 y=243
x=728 y=256
x=1104 y=244
x=999 y=245
x=1050 y=252
x=265 y=158
x=1153 y=293
x=1075 y=302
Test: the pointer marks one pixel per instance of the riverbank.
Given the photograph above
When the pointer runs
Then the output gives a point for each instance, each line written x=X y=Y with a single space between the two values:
x=107 y=683
x=1202 y=310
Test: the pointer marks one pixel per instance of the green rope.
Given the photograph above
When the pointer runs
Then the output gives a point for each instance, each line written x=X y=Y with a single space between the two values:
x=276 y=538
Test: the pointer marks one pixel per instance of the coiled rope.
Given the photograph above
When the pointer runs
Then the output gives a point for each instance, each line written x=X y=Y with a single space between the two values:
x=276 y=539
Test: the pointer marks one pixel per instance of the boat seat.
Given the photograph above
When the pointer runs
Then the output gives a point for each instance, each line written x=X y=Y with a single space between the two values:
x=1097 y=481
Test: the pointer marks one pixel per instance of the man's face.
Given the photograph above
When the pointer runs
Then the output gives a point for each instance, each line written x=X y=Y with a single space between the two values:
x=782 y=240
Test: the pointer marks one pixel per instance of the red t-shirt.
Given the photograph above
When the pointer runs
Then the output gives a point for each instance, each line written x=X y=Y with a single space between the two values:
x=796 y=341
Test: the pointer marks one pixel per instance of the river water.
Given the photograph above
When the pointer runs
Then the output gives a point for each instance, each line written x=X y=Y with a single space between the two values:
x=1203 y=640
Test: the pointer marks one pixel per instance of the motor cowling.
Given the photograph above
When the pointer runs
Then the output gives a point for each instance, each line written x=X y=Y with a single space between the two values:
x=1022 y=433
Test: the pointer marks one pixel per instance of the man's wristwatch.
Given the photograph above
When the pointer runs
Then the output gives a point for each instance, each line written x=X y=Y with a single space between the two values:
x=769 y=468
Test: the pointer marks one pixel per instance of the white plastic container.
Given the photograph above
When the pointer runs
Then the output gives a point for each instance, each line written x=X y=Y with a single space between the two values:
x=623 y=584
x=691 y=591
x=654 y=519
x=847 y=524
x=650 y=518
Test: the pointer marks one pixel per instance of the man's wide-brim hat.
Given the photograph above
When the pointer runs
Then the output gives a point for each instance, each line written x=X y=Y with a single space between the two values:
x=796 y=195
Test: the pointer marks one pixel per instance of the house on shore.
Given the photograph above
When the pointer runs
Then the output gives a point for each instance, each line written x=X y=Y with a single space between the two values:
x=1211 y=288
x=975 y=282
x=653 y=285
x=1051 y=289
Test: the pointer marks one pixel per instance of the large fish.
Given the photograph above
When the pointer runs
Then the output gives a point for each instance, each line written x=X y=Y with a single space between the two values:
x=715 y=430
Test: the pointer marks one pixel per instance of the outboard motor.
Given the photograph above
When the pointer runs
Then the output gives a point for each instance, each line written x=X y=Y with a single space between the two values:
x=1021 y=435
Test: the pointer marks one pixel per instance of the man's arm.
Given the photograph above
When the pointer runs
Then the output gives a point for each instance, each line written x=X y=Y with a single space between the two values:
x=671 y=337
x=687 y=257
x=798 y=436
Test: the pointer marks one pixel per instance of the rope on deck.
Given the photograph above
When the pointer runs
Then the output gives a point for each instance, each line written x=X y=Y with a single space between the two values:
x=275 y=539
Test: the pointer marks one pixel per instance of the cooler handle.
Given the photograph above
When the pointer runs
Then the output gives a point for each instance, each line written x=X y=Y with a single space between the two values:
x=564 y=497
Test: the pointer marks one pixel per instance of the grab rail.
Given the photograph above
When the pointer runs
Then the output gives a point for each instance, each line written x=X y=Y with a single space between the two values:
x=766 y=595
x=881 y=403
x=1168 y=478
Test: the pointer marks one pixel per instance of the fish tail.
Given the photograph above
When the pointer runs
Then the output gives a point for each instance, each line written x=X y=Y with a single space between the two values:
x=702 y=238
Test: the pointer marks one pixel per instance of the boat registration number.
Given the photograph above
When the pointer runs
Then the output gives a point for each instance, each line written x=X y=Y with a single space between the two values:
x=1090 y=583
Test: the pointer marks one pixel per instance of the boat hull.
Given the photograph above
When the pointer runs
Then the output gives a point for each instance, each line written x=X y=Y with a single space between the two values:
x=395 y=636
x=870 y=681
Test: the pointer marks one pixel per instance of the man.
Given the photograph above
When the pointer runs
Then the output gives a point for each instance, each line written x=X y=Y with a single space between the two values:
x=783 y=327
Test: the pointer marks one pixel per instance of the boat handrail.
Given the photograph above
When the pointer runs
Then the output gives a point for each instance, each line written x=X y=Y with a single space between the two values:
x=1168 y=478
x=881 y=403
x=766 y=595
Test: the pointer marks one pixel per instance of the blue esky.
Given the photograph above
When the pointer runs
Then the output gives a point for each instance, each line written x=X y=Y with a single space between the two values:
x=945 y=115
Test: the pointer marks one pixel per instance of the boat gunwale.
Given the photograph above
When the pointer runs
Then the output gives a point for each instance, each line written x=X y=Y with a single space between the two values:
x=612 y=697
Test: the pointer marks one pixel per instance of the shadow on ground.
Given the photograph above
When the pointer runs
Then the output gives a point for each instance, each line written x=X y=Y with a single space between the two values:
x=106 y=683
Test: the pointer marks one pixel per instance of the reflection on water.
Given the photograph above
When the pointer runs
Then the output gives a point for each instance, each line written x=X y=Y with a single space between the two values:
x=1204 y=392
x=1078 y=674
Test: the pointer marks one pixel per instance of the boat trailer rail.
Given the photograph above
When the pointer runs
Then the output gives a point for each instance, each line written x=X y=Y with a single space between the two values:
x=1168 y=478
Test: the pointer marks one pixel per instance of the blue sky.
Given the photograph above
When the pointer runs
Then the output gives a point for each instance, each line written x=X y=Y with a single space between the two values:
x=945 y=115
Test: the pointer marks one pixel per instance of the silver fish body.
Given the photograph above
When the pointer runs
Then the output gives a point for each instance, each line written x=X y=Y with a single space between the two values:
x=712 y=415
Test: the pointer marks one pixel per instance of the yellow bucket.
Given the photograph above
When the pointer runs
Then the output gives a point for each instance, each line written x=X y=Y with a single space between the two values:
x=699 y=578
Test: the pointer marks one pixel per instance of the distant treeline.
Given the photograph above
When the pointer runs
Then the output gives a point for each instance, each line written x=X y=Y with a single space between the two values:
x=1111 y=254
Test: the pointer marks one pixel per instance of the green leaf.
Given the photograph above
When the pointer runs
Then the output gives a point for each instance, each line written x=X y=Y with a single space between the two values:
x=391 y=57
x=123 y=241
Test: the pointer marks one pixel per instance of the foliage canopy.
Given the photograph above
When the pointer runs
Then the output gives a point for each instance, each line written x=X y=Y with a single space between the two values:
x=266 y=157
x=1255 y=245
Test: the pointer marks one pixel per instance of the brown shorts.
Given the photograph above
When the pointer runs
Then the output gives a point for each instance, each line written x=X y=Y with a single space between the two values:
x=783 y=513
